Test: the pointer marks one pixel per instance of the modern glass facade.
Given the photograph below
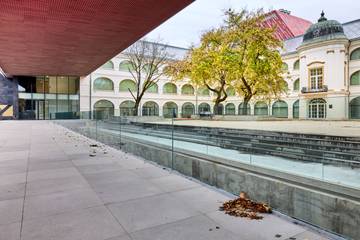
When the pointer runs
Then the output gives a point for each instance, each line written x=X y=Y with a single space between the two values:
x=48 y=97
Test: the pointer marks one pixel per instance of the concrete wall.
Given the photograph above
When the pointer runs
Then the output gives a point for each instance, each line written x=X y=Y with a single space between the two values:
x=331 y=207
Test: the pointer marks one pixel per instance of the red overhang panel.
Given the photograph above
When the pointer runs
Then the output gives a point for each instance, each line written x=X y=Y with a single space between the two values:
x=74 y=37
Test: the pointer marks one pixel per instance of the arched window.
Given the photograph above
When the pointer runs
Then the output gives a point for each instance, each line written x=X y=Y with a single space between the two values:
x=170 y=110
x=103 y=84
x=244 y=110
x=230 y=109
x=296 y=85
x=280 y=109
x=230 y=91
x=103 y=109
x=127 y=108
x=285 y=67
x=169 y=88
x=147 y=68
x=150 y=109
x=204 y=108
x=126 y=66
x=355 y=79
x=296 y=108
x=355 y=108
x=126 y=85
x=203 y=91
x=187 y=110
x=108 y=65
x=297 y=65
x=355 y=55
x=187 y=89
x=261 y=109
x=219 y=110
x=153 y=88
x=317 y=108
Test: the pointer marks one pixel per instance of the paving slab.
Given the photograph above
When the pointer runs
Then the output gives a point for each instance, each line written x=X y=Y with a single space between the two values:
x=11 y=211
x=10 y=231
x=122 y=176
x=88 y=224
x=55 y=185
x=174 y=183
x=199 y=228
x=270 y=227
x=150 y=211
x=12 y=191
x=59 y=202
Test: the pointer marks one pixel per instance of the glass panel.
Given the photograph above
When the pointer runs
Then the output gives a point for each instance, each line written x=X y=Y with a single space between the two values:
x=355 y=78
x=103 y=84
x=187 y=90
x=150 y=109
x=355 y=108
x=153 y=88
x=63 y=84
x=170 y=88
x=203 y=91
x=244 y=110
x=40 y=84
x=230 y=109
x=126 y=66
x=125 y=85
x=261 y=109
x=204 y=108
x=297 y=85
x=170 y=110
x=52 y=84
x=355 y=55
x=188 y=109
x=297 y=65
x=74 y=85
x=108 y=65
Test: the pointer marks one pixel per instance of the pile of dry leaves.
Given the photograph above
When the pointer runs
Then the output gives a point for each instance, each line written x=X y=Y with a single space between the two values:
x=244 y=207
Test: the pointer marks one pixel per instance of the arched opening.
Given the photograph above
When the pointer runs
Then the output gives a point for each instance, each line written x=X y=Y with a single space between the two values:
x=355 y=55
x=244 y=110
x=150 y=109
x=355 y=79
x=204 y=108
x=187 y=110
x=280 y=109
x=127 y=108
x=296 y=86
x=261 y=109
x=103 y=109
x=296 y=109
x=126 y=66
x=203 y=91
x=219 y=110
x=126 y=85
x=170 y=110
x=297 y=65
x=285 y=67
x=103 y=84
x=169 y=88
x=153 y=88
x=355 y=108
x=230 y=109
x=230 y=91
x=317 y=108
x=108 y=65
x=187 y=89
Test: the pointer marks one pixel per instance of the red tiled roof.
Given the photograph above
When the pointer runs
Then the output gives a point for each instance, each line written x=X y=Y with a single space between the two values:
x=288 y=26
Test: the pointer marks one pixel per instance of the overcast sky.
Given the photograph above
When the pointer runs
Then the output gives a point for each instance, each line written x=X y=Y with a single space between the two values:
x=186 y=27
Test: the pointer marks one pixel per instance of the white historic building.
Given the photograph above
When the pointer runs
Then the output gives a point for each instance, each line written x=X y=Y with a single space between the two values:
x=322 y=69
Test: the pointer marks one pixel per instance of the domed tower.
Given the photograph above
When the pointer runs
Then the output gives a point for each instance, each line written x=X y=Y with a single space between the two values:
x=324 y=30
x=322 y=72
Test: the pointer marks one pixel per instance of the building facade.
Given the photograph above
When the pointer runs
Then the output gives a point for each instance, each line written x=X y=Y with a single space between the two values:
x=321 y=68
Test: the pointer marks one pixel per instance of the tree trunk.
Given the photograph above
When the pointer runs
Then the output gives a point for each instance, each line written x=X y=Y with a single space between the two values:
x=245 y=106
x=136 y=108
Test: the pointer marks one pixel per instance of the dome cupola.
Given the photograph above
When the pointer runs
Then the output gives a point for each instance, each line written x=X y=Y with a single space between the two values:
x=323 y=30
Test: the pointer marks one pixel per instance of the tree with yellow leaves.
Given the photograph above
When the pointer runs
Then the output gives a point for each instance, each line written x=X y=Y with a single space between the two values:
x=241 y=53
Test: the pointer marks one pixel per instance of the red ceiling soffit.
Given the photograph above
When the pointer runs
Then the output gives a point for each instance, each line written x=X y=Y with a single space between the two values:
x=62 y=37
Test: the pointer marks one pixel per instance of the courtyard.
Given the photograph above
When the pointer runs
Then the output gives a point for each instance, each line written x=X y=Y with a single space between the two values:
x=51 y=188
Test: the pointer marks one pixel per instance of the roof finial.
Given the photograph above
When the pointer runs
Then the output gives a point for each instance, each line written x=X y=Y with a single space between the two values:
x=322 y=18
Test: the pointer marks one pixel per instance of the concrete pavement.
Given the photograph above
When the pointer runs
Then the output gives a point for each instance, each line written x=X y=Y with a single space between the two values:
x=52 y=189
